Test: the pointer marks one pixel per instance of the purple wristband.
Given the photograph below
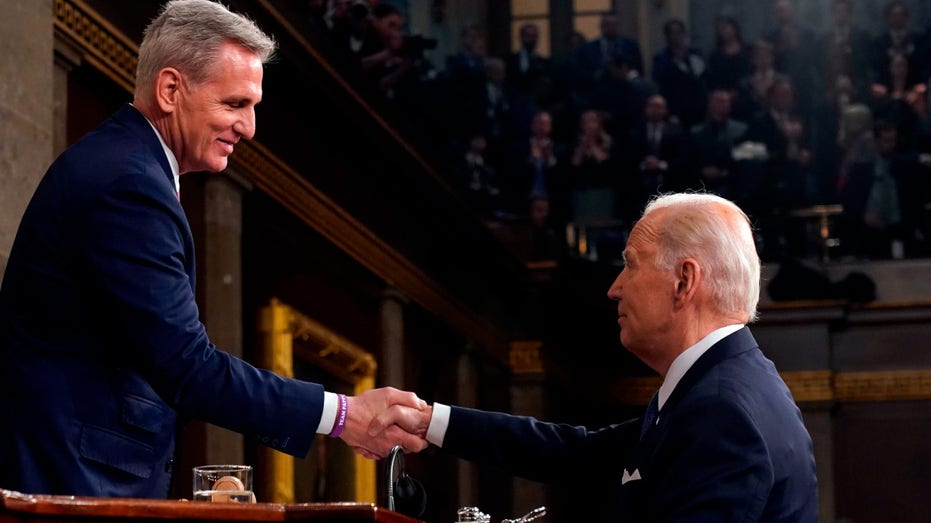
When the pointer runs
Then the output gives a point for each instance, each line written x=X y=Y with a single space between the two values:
x=340 y=422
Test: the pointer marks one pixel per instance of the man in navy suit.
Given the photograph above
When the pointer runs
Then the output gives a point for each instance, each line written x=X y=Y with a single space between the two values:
x=103 y=353
x=722 y=439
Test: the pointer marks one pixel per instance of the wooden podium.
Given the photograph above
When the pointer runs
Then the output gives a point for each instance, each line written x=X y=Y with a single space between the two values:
x=27 y=508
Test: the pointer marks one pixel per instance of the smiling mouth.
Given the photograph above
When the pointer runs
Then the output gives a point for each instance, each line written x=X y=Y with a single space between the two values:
x=227 y=145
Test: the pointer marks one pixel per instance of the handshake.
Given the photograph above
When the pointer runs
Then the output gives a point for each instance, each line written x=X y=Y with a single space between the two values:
x=379 y=419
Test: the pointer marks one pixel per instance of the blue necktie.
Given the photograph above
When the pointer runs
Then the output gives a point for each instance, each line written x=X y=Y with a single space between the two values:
x=650 y=416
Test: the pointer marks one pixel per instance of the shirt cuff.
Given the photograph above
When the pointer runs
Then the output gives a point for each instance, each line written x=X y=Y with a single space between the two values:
x=328 y=417
x=439 y=422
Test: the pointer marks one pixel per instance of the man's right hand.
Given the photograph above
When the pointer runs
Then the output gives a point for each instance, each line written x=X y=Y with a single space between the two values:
x=413 y=422
x=384 y=404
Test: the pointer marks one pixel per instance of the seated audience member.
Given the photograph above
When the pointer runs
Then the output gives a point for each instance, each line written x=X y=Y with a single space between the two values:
x=679 y=72
x=711 y=146
x=883 y=196
x=655 y=153
x=752 y=89
x=729 y=61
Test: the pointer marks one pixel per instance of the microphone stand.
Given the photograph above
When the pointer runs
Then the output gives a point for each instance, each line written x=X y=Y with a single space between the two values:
x=393 y=456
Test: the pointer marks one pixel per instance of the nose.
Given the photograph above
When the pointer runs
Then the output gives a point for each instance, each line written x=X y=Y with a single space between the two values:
x=244 y=126
x=614 y=291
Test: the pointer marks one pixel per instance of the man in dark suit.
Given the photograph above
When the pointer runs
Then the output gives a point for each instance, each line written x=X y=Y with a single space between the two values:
x=655 y=150
x=899 y=39
x=711 y=146
x=525 y=67
x=679 y=71
x=103 y=353
x=722 y=439
x=590 y=60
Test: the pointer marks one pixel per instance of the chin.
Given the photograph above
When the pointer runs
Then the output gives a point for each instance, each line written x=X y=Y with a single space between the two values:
x=216 y=165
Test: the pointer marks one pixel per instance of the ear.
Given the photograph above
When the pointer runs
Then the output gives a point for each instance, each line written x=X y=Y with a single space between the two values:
x=168 y=89
x=688 y=278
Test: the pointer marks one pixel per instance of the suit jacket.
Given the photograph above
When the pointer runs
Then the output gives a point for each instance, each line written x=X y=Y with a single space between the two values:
x=729 y=445
x=525 y=81
x=588 y=62
x=103 y=353
x=682 y=83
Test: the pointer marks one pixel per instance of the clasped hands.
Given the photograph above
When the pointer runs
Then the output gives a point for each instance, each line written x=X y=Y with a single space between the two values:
x=379 y=419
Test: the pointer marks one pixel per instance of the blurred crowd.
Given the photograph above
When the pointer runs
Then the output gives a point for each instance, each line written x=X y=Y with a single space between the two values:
x=797 y=127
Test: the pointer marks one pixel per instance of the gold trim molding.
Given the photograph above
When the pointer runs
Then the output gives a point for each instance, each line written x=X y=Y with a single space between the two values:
x=883 y=385
x=811 y=386
x=106 y=48
x=808 y=386
x=115 y=55
x=524 y=357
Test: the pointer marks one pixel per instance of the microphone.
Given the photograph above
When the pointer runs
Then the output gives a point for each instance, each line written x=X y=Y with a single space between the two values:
x=405 y=494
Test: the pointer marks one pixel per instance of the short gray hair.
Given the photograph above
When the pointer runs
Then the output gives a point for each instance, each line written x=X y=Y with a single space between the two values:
x=723 y=246
x=188 y=34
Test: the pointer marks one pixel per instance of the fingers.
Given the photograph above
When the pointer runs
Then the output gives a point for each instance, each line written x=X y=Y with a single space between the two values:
x=394 y=396
x=412 y=420
x=379 y=419
x=366 y=453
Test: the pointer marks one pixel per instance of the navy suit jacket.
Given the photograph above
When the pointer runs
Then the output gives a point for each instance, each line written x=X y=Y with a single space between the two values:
x=729 y=445
x=103 y=352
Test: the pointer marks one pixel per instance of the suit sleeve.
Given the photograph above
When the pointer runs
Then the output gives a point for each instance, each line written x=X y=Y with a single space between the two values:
x=135 y=248
x=716 y=467
x=536 y=450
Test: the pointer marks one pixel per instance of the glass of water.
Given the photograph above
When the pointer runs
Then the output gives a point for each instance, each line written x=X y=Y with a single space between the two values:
x=223 y=483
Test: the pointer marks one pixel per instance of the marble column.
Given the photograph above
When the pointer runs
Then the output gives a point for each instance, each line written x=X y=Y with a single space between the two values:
x=213 y=204
x=391 y=322
x=26 y=109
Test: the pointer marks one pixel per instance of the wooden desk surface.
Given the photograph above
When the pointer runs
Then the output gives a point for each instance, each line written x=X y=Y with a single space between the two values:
x=21 y=508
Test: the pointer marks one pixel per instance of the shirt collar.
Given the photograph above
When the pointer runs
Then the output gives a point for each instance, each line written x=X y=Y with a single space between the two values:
x=172 y=161
x=684 y=361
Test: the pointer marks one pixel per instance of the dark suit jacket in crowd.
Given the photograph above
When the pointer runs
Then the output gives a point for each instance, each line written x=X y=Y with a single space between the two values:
x=538 y=68
x=590 y=58
x=729 y=445
x=682 y=83
x=104 y=356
